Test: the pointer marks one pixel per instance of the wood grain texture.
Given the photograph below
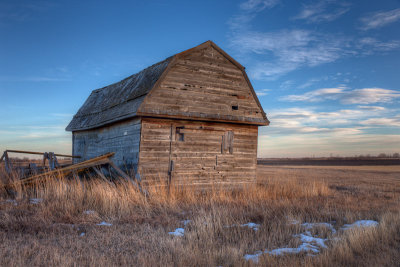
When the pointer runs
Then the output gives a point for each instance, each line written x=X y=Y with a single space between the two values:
x=200 y=157
x=123 y=138
x=204 y=84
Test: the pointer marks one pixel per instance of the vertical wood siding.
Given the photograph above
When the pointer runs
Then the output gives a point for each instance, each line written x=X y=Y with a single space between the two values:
x=199 y=156
x=123 y=138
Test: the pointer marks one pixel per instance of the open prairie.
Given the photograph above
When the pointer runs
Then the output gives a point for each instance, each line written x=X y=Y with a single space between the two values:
x=292 y=215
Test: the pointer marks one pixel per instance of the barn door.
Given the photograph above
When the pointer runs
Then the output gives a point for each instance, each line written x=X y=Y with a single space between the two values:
x=194 y=151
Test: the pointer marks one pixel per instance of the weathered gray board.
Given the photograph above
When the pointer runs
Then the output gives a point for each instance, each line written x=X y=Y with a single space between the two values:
x=123 y=138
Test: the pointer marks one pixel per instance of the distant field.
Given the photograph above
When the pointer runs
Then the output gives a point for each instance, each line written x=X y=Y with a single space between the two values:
x=330 y=161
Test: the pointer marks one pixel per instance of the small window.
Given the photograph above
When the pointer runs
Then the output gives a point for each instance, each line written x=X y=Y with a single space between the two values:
x=235 y=107
x=227 y=143
x=179 y=135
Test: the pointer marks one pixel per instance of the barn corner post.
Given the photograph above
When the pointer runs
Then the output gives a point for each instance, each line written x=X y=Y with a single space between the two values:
x=191 y=118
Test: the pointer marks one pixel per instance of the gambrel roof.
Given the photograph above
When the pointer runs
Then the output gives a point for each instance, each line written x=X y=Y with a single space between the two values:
x=125 y=99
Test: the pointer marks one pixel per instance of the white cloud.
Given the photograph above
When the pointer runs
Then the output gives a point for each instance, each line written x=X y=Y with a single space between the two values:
x=316 y=95
x=382 y=122
x=322 y=11
x=369 y=45
x=305 y=131
x=357 y=96
x=325 y=144
x=262 y=92
x=373 y=108
x=369 y=96
x=380 y=19
x=257 y=5
x=290 y=50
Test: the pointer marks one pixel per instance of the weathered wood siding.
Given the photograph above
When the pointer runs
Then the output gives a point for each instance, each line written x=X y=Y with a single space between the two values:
x=123 y=138
x=203 y=84
x=199 y=152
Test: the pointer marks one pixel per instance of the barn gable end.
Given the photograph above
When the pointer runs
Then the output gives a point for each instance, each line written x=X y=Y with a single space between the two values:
x=204 y=83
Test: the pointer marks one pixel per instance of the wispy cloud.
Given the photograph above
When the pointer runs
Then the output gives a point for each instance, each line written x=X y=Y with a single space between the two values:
x=282 y=51
x=257 y=5
x=316 y=95
x=382 y=122
x=372 y=108
x=296 y=131
x=369 y=45
x=291 y=49
x=356 y=96
x=288 y=50
x=262 y=92
x=322 y=11
x=380 y=19
x=370 y=96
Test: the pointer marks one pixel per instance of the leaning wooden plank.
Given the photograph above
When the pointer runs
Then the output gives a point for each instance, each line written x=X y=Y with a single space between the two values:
x=69 y=169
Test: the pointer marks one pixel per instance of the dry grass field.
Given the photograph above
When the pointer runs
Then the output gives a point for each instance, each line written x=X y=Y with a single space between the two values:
x=56 y=224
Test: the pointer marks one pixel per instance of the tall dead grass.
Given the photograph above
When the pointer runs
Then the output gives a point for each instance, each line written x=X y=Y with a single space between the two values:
x=50 y=232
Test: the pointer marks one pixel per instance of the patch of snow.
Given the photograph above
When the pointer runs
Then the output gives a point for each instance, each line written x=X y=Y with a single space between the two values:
x=253 y=257
x=89 y=212
x=311 y=244
x=360 y=223
x=308 y=238
x=82 y=234
x=12 y=201
x=178 y=232
x=306 y=247
x=35 y=200
x=251 y=225
x=104 y=224
x=185 y=222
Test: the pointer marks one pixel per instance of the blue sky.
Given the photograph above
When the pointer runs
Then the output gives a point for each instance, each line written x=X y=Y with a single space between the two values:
x=326 y=72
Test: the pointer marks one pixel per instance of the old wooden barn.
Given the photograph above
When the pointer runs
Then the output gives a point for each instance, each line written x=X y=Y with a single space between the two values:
x=193 y=116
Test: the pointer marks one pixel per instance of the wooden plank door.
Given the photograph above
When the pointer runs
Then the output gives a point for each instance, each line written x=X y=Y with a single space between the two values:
x=194 y=150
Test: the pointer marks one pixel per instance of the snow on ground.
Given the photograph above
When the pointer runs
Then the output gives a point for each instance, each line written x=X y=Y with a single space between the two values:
x=104 y=224
x=35 y=200
x=185 y=222
x=311 y=244
x=308 y=238
x=89 y=212
x=253 y=257
x=360 y=223
x=12 y=201
x=178 y=232
x=306 y=247
x=251 y=225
